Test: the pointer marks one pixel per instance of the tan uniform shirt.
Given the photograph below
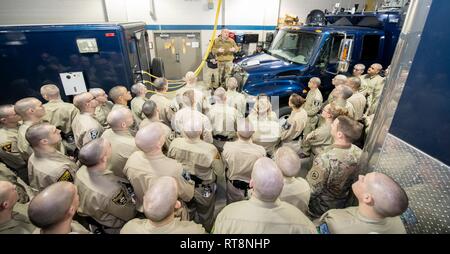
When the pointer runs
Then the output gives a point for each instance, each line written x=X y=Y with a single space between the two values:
x=350 y=221
x=122 y=145
x=240 y=156
x=144 y=226
x=313 y=102
x=140 y=169
x=165 y=108
x=318 y=140
x=23 y=190
x=46 y=169
x=331 y=177
x=227 y=44
x=9 y=152
x=102 y=111
x=187 y=114
x=258 y=217
x=75 y=228
x=359 y=104
x=296 y=191
x=85 y=128
x=136 y=109
x=371 y=85
x=60 y=114
x=294 y=126
x=105 y=197
x=237 y=101
x=198 y=157
x=19 y=224
x=267 y=134
x=22 y=143
x=223 y=120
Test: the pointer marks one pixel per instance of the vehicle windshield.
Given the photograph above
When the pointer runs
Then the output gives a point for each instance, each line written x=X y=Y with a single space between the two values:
x=294 y=46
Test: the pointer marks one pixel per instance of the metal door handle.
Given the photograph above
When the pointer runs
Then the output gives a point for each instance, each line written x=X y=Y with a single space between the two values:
x=177 y=57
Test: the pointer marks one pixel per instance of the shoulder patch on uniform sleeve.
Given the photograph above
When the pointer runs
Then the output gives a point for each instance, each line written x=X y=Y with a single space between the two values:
x=7 y=147
x=120 y=198
x=66 y=176
x=93 y=134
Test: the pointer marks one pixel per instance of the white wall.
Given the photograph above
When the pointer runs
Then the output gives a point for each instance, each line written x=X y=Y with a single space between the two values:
x=51 y=11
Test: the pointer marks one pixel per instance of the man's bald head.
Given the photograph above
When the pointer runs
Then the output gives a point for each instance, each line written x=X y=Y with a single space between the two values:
x=339 y=80
x=37 y=132
x=160 y=199
x=97 y=91
x=245 y=129
x=24 y=106
x=287 y=161
x=374 y=69
x=83 y=101
x=138 y=89
x=267 y=180
x=160 y=84
x=151 y=137
x=343 y=92
x=117 y=92
x=120 y=118
x=354 y=83
x=8 y=196
x=192 y=128
x=220 y=95
x=50 y=92
x=232 y=83
x=190 y=77
x=56 y=203
x=93 y=152
x=149 y=109
x=380 y=191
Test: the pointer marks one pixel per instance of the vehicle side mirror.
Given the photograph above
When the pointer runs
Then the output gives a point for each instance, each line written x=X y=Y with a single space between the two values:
x=345 y=52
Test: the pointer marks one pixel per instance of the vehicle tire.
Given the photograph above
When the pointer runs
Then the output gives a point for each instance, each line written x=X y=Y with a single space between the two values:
x=158 y=67
x=284 y=112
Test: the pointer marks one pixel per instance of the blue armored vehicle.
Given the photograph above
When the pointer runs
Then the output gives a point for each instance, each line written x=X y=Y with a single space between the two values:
x=323 y=48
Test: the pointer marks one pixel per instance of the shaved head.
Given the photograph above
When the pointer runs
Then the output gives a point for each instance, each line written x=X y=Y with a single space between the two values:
x=150 y=137
x=138 y=89
x=287 y=161
x=116 y=92
x=8 y=195
x=232 y=83
x=5 y=110
x=24 y=105
x=190 y=77
x=160 y=199
x=245 y=129
x=354 y=83
x=149 y=109
x=97 y=91
x=120 y=118
x=343 y=92
x=220 y=95
x=92 y=153
x=160 y=84
x=52 y=205
x=37 y=132
x=81 y=100
x=192 y=128
x=189 y=98
x=50 y=92
x=267 y=180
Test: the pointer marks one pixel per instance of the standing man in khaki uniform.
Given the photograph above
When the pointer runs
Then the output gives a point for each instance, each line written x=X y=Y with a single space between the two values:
x=295 y=124
x=223 y=119
x=122 y=142
x=358 y=100
x=31 y=111
x=9 y=126
x=264 y=213
x=240 y=156
x=372 y=85
x=85 y=127
x=201 y=160
x=342 y=94
x=235 y=99
x=296 y=190
x=120 y=96
x=224 y=49
x=59 y=113
x=160 y=203
x=312 y=105
x=381 y=202
x=165 y=108
x=103 y=196
x=150 y=163
x=47 y=165
x=337 y=81
x=12 y=222
x=335 y=170
x=150 y=111
x=52 y=210
x=189 y=112
x=139 y=90
x=103 y=105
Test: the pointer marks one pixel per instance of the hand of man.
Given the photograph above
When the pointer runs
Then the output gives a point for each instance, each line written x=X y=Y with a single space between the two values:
x=232 y=49
x=220 y=50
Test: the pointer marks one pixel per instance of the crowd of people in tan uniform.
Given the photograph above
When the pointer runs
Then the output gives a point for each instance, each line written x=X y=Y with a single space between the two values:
x=98 y=166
